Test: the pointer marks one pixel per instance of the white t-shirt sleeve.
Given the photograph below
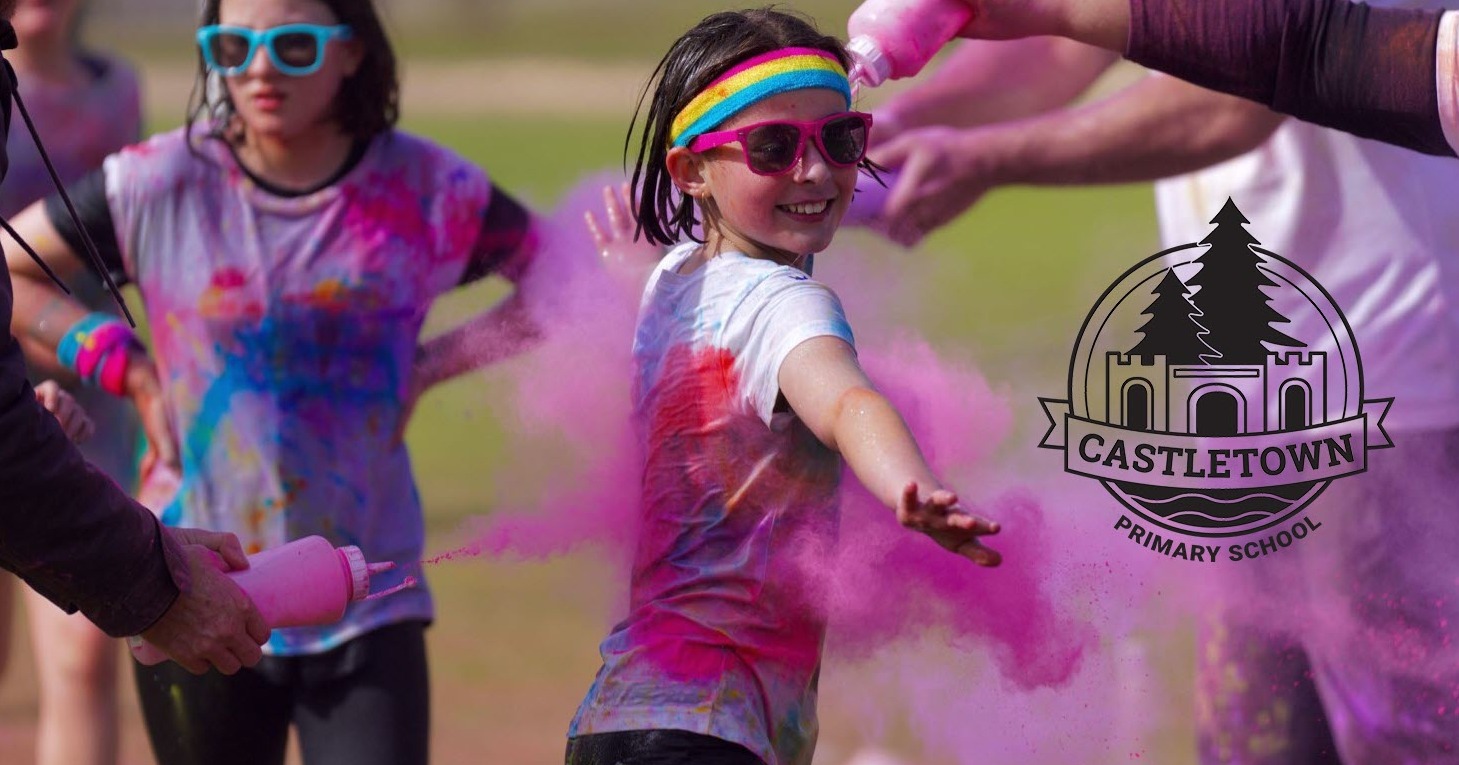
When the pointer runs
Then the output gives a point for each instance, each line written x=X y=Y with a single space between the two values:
x=787 y=310
x=1447 y=75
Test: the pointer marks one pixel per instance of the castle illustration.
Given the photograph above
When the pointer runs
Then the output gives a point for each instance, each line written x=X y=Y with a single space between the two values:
x=1286 y=392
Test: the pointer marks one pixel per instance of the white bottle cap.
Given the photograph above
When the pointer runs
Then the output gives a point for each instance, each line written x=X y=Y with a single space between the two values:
x=869 y=65
x=359 y=571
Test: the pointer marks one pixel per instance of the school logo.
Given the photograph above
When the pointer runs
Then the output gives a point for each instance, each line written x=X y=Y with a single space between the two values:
x=1215 y=390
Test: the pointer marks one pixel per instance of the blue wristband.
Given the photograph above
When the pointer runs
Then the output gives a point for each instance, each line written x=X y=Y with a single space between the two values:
x=70 y=346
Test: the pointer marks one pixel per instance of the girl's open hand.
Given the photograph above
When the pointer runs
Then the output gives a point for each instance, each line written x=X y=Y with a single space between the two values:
x=938 y=516
x=626 y=259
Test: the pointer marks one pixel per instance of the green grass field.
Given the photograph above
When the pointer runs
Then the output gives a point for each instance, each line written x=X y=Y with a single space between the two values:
x=515 y=644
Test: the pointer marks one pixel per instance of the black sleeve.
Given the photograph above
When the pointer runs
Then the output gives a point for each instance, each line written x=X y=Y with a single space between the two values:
x=1367 y=71
x=506 y=231
x=65 y=528
x=89 y=197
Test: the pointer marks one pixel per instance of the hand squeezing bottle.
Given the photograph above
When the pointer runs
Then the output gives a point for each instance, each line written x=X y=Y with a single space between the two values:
x=892 y=39
x=307 y=582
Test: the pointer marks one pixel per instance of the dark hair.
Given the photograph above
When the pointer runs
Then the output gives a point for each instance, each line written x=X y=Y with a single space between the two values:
x=711 y=48
x=368 y=102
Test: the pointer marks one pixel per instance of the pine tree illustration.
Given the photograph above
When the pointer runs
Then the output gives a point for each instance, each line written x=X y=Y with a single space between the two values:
x=1172 y=330
x=1236 y=313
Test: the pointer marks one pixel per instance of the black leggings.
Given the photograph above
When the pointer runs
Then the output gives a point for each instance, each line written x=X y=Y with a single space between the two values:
x=363 y=703
x=656 y=747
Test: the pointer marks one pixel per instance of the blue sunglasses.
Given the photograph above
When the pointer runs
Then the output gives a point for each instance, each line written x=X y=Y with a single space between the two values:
x=294 y=49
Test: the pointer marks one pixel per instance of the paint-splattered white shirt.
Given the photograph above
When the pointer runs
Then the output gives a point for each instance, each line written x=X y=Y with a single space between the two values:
x=285 y=328
x=724 y=630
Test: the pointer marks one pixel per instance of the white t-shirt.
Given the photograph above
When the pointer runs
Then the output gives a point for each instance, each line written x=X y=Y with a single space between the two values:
x=1447 y=77
x=285 y=329
x=1376 y=225
x=724 y=628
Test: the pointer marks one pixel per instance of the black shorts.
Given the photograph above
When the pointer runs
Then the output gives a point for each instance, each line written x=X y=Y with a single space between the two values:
x=656 y=747
x=366 y=702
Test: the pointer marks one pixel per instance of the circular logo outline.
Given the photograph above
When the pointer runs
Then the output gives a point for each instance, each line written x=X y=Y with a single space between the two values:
x=1355 y=397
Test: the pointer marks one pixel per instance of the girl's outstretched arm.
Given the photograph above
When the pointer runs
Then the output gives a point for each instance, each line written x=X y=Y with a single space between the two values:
x=828 y=390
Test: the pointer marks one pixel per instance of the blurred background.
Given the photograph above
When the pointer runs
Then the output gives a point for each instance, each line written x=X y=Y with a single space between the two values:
x=540 y=94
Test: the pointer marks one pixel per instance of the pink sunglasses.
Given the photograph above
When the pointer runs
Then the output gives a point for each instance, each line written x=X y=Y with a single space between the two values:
x=774 y=147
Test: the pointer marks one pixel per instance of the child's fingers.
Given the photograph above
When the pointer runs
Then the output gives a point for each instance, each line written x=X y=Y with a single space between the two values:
x=979 y=553
x=614 y=206
x=968 y=522
x=78 y=425
x=942 y=499
x=599 y=240
x=73 y=420
x=908 y=502
x=85 y=432
x=67 y=414
x=48 y=394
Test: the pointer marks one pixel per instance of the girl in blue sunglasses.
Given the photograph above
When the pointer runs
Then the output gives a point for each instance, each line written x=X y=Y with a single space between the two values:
x=287 y=244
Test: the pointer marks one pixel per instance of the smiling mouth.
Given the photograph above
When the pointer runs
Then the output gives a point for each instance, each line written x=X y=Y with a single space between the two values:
x=807 y=208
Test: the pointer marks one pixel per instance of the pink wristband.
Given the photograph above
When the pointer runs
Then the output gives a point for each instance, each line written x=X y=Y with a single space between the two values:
x=113 y=376
x=98 y=344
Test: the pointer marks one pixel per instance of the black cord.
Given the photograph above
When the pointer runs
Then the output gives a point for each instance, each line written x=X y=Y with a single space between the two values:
x=91 y=250
x=33 y=256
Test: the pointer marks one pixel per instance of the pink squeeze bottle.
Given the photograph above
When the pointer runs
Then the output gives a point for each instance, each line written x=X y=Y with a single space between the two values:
x=307 y=582
x=892 y=39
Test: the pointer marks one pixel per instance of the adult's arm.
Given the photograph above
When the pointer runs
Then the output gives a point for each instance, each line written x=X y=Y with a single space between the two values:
x=1156 y=128
x=1368 y=71
x=1373 y=72
x=983 y=81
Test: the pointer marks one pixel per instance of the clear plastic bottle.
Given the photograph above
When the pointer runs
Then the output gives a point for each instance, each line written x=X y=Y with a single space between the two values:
x=892 y=39
x=306 y=582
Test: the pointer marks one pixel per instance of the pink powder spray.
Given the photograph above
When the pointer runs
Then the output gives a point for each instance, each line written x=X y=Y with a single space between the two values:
x=1045 y=619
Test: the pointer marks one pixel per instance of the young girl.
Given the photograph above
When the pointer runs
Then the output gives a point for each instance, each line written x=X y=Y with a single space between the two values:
x=747 y=395
x=287 y=244
x=87 y=106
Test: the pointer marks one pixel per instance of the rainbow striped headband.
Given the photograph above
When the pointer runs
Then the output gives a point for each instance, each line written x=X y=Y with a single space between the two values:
x=755 y=80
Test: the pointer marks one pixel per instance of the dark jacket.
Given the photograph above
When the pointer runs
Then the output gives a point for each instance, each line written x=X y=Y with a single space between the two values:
x=65 y=528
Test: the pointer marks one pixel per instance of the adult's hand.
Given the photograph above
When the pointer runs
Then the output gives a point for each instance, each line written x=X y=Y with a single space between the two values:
x=941 y=172
x=212 y=623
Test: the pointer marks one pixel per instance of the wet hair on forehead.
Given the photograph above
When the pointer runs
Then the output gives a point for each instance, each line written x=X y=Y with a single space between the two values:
x=714 y=46
x=368 y=102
